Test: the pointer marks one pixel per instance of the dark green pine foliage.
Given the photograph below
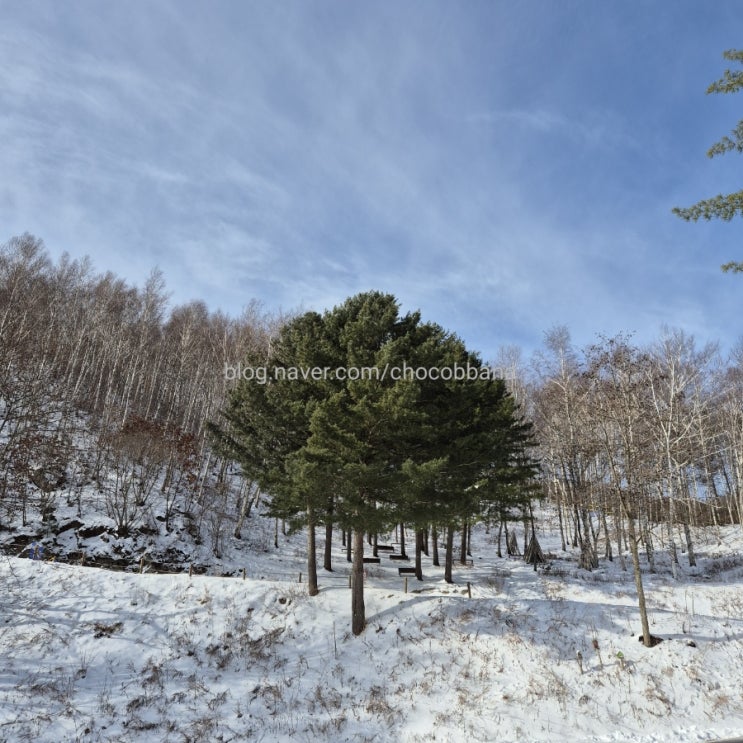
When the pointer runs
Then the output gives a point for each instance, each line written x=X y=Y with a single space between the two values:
x=722 y=206
x=265 y=425
x=466 y=449
x=487 y=445
x=439 y=470
x=509 y=480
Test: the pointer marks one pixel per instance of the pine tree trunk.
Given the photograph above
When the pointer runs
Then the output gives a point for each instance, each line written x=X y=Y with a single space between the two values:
x=327 y=562
x=312 y=588
x=449 y=556
x=358 y=612
x=418 y=552
x=402 y=539
x=435 y=545
x=348 y=546
x=463 y=547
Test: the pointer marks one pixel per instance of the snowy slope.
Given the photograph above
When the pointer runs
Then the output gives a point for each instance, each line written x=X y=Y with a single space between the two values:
x=94 y=655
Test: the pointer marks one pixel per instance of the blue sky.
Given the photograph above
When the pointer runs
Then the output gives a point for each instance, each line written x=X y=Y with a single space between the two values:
x=504 y=167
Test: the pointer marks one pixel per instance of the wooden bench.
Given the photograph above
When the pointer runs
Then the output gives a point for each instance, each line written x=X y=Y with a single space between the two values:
x=373 y=560
x=406 y=571
x=399 y=557
x=385 y=547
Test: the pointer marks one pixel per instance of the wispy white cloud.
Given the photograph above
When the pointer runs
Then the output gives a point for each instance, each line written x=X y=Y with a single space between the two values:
x=591 y=127
x=299 y=156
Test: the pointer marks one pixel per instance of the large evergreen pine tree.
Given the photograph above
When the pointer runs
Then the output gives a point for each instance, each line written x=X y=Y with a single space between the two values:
x=383 y=448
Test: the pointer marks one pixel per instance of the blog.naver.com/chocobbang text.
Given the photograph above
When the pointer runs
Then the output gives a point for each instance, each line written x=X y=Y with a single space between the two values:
x=264 y=374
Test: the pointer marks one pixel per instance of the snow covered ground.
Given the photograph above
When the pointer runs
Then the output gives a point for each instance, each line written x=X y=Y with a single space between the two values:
x=94 y=655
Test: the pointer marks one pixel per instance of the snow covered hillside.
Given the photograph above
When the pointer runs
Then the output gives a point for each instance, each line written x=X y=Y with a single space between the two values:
x=95 y=655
